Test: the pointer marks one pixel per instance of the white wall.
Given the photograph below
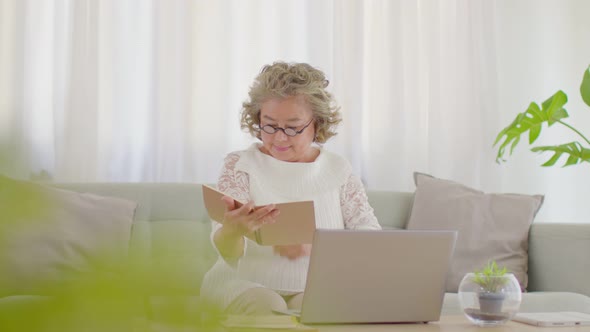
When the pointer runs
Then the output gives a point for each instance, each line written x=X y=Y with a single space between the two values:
x=544 y=46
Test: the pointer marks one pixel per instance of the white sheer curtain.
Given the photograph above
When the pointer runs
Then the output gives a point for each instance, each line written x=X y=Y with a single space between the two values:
x=150 y=90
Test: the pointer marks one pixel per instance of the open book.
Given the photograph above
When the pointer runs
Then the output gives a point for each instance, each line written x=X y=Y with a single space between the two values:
x=294 y=225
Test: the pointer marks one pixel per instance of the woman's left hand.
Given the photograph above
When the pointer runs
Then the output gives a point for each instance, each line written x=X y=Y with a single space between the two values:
x=293 y=251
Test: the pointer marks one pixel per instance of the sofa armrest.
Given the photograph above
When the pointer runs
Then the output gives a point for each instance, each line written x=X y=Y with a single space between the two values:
x=559 y=257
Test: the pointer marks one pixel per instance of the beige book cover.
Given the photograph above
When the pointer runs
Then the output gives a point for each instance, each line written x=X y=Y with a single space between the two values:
x=294 y=225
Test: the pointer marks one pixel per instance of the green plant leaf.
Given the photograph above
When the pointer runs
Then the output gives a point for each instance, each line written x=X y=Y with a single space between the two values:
x=491 y=277
x=585 y=87
x=577 y=153
x=534 y=133
x=532 y=121
x=553 y=107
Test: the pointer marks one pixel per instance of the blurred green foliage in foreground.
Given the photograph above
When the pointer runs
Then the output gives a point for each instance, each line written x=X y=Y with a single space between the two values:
x=89 y=301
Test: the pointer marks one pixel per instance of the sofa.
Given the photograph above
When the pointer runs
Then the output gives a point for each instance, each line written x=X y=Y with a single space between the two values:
x=169 y=242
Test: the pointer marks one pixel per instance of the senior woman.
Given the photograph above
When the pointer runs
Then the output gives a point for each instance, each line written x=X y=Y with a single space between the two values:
x=292 y=114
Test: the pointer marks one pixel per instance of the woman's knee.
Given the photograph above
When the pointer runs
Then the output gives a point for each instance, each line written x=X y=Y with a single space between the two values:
x=257 y=301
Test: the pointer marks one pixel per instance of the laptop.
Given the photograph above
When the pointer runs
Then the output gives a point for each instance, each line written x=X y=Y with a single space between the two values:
x=554 y=318
x=387 y=276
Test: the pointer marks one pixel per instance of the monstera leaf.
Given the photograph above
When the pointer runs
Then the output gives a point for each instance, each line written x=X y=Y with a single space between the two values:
x=576 y=151
x=550 y=112
x=532 y=121
x=585 y=87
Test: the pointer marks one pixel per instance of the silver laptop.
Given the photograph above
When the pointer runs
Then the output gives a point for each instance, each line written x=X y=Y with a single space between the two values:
x=376 y=276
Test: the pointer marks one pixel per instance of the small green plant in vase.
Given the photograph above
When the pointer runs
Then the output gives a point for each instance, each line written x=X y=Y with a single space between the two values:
x=490 y=296
x=491 y=280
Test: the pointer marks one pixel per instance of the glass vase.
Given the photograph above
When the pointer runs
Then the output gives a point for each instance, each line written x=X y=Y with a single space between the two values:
x=489 y=301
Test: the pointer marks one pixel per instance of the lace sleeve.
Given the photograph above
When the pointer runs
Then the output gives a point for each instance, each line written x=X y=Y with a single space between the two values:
x=356 y=211
x=234 y=183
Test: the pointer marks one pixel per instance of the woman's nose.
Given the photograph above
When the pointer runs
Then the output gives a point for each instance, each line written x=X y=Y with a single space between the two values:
x=281 y=136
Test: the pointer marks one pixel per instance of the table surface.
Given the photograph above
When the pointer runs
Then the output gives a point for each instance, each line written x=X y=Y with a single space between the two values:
x=457 y=323
x=447 y=324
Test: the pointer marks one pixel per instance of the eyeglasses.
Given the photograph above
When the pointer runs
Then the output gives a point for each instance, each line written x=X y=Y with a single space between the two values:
x=291 y=132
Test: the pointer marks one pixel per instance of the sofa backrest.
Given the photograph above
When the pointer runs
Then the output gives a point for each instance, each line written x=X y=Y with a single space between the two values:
x=171 y=234
x=391 y=208
x=157 y=201
x=169 y=245
x=182 y=201
x=170 y=238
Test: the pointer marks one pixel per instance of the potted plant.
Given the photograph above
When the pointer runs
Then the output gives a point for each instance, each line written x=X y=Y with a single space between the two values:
x=490 y=296
x=550 y=112
x=491 y=280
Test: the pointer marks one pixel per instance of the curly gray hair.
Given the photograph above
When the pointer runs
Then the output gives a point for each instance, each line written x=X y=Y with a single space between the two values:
x=281 y=80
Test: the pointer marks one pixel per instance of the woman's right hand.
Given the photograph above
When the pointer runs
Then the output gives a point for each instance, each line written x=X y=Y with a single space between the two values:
x=245 y=219
x=240 y=221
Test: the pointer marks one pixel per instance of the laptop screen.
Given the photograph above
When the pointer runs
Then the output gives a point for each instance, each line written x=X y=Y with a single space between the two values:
x=367 y=276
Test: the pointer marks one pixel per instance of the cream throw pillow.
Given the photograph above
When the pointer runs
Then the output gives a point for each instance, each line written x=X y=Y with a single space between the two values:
x=50 y=237
x=490 y=226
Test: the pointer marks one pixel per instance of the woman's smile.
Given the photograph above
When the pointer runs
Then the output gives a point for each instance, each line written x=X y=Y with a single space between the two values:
x=281 y=148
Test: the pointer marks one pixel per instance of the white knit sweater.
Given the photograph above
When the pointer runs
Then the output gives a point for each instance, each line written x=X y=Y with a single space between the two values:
x=340 y=202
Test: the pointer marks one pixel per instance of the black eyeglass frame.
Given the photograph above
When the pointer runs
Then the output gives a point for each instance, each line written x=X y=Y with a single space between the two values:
x=287 y=131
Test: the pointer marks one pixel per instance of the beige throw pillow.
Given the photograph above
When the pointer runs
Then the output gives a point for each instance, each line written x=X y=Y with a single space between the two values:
x=49 y=237
x=490 y=226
